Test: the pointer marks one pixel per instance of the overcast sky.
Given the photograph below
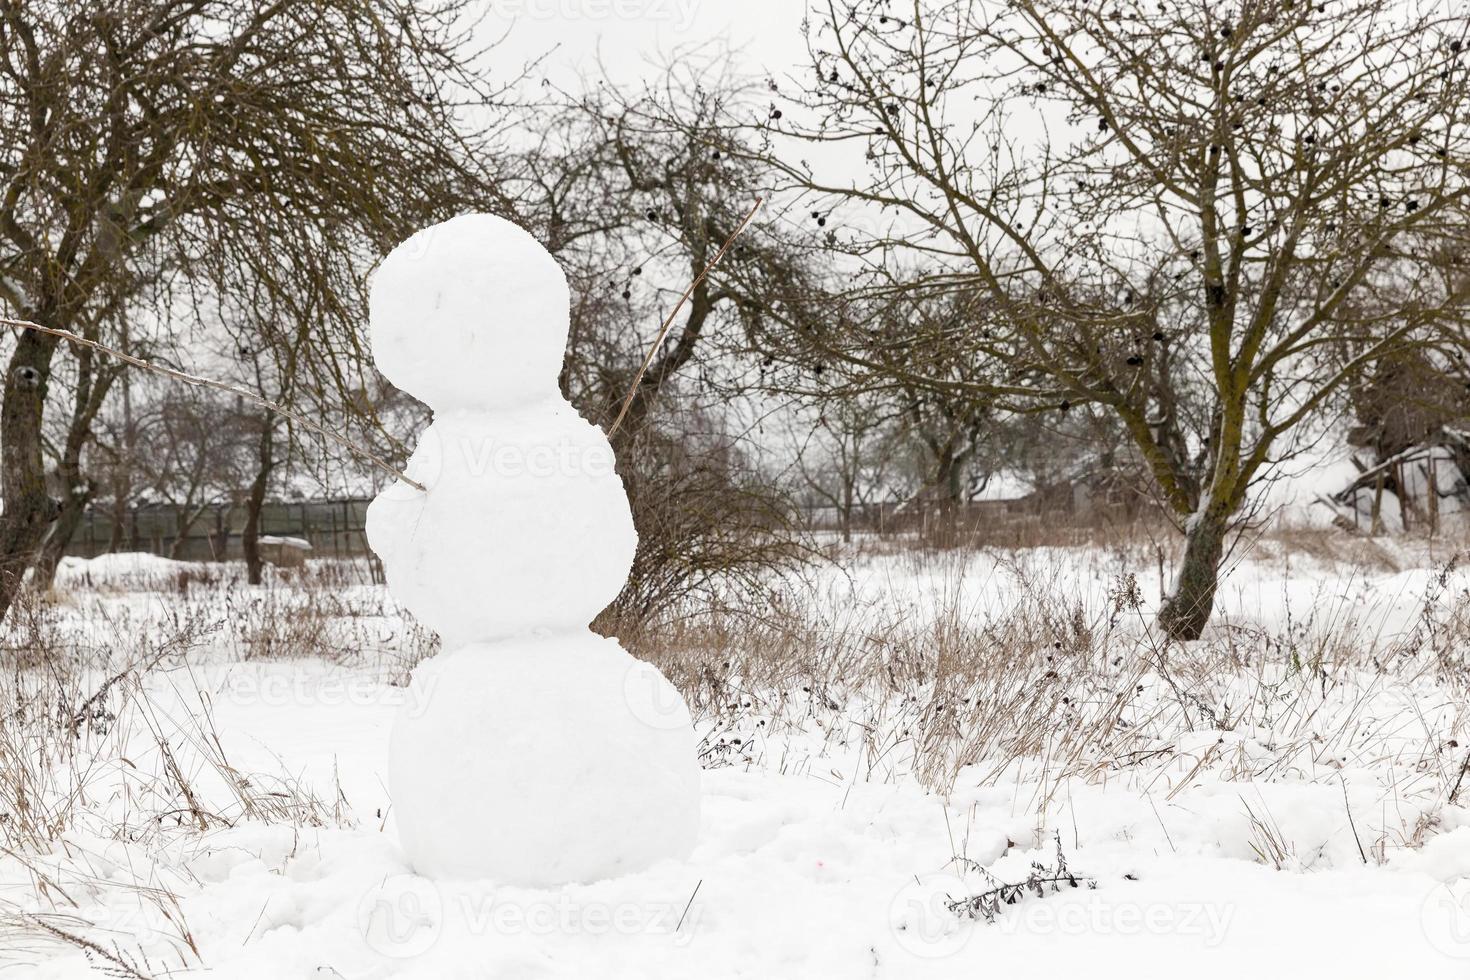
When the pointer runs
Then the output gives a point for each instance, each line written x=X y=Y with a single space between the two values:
x=631 y=37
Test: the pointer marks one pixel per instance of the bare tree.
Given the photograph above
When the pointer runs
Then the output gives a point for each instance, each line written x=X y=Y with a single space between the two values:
x=1207 y=233
x=635 y=212
x=115 y=467
x=845 y=458
x=279 y=374
x=194 y=457
x=90 y=382
x=169 y=141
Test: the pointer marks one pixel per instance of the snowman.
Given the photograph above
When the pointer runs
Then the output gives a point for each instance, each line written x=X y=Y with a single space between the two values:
x=530 y=751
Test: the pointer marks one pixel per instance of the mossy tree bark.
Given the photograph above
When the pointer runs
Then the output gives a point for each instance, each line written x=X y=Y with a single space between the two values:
x=1187 y=609
x=29 y=508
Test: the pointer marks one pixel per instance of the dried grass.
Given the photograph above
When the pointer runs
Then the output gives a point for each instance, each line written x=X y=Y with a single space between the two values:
x=1037 y=691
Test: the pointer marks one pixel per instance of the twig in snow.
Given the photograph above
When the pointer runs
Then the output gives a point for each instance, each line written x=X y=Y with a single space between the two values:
x=118 y=964
x=991 y=902
x=1352 y=823
x=1464 y=768
x=688 y=905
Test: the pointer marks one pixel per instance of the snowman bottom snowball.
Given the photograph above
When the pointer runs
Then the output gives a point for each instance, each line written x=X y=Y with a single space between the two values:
x=542 y=762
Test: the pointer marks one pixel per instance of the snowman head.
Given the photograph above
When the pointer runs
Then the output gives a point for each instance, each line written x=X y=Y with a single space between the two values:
x=470 y=313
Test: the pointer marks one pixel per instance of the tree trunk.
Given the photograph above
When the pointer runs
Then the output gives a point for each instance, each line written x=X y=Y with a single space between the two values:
x=1190 y=602
x=184 y=522
x=948 y=471
x=122 y=481
x=73 y=509
x=29 y=509
x=846 y=515
x=76 y=490
x=221 y=546
x=121 y=497
x=250 y=535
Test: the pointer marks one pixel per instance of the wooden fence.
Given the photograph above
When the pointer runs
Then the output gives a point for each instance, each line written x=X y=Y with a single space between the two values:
x=334 y=528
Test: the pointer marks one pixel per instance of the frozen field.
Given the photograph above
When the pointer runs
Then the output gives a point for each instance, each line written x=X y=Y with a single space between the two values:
x=193 y=776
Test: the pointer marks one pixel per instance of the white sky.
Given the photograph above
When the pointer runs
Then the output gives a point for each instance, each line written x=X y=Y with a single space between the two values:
x=632 y=38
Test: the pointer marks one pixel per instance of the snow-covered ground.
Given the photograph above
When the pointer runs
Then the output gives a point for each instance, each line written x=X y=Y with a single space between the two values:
x=1275 y=800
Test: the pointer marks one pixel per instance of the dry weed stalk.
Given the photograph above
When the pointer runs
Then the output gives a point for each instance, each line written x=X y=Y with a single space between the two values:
x=1041 y=881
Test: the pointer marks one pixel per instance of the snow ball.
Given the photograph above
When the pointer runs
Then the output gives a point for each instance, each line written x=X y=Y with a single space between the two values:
x=472 y=312
x=533 y=763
